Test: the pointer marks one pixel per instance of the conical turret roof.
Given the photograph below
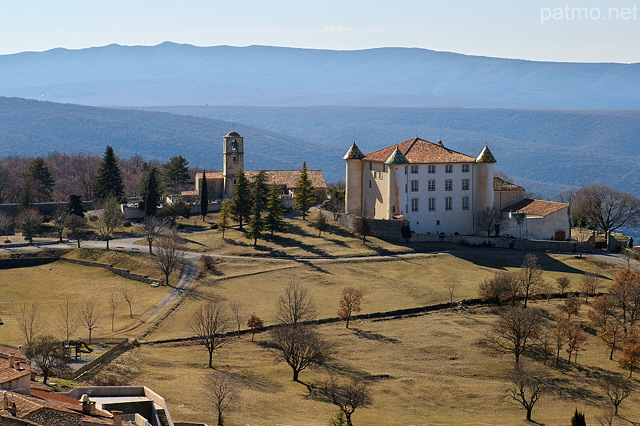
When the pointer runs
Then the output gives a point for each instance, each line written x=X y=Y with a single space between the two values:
x=397 y=157
x=354 y=153
x=486 y=156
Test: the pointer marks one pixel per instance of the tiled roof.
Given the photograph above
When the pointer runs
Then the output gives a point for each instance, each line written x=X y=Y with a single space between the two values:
x=8 y=374
x=536 y=207
x=397 y=158
x=6 y=350
x=354 y=153
x=500 y=184
x=420 y=151
x=280 y=177
x=192 y=193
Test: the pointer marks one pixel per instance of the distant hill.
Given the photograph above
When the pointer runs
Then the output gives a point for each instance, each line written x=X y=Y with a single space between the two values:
x=29 y=127
x=175 y=74
x=546 y=151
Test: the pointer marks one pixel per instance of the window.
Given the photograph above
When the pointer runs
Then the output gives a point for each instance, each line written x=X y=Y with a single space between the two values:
x=448 y=185
x=465 y=168
x=370 y=166
x=384 y=167
x=405 y=169
x=513 y=197
x=465 y=203
x=369 y=184
x=431 y=168
x=432 y=185
x=448 y=168
x=405 y=187
x=414 y=186
x=235 y=160
x=432 y=204
x=465 y=184
x=447 y=203
x=414 y=169
x=414 y=204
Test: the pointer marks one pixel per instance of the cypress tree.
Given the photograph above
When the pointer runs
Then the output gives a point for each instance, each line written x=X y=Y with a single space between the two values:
x=223 y=219
x=305 y=197
x=204 y=196
x=41 y=179
x=109 y=181
x=256 y=222
x=150 y=192
x=241 y=201
x=273 y=220
x=578 y=419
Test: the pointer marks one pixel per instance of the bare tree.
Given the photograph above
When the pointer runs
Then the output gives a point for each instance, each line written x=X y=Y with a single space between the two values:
x=617 y=389
x=295 y=305
x=59 y=221
x=300 y=346
x=128 y=297
x=255 y=324
x=29 y=220
x=47 y=353
x=109 y=218
x=346 y=396
x=604 y=317
x=575 y=339
x=502 y=287
x=563 y=283
x=451 y=290
x=237 y=315
x=6 y=221
x=169 y=253
x=113 y=306
x=488 y=220
x=209 y=323
x=221 y=389
x=67 y=319
x=526 y=384
x=89 y=317
x=515 y=330
x=529 y=277
x=30 y=321
x=77 y=227
x=630 y=357
x=571 y=306
x=589 y=284
x=152 y=228
x=350 y=303
x=362 y=227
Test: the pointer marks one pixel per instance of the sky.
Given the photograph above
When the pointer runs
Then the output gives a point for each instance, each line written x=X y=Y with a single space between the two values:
x=545 y=30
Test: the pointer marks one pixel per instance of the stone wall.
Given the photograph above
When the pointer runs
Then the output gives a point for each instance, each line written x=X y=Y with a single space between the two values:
x=118 y=271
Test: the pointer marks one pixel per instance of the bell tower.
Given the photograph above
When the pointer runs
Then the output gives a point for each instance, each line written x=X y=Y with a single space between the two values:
x=233 y=158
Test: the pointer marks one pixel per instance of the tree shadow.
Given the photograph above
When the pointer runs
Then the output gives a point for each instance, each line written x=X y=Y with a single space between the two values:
x=363 y=334
x=503 y=260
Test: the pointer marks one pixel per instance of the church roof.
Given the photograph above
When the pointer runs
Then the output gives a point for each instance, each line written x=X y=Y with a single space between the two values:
x=486 y=156
x=289 y=178
x=354 y=153
x=420 y=151
x=233 y=134
x=536 y=207
x=397 y=157
x=500 y=184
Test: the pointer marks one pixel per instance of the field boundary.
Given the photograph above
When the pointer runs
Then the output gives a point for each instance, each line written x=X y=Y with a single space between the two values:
x=106 y=357
x=118 y=271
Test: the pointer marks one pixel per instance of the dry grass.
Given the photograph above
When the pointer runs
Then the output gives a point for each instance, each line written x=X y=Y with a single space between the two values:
x=437 y=371
x=49 y=284
x=393 y=284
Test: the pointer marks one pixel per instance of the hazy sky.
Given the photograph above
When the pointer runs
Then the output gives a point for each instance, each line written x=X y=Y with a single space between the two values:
x=554 y=30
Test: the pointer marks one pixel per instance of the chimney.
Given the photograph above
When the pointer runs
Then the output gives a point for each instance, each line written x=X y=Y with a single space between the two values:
x=5 y=401
x=440 y=144
x=11 y=360
x=117 y=418
x=17 y=365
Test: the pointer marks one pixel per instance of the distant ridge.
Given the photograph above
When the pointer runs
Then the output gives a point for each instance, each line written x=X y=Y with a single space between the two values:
x=181 y=74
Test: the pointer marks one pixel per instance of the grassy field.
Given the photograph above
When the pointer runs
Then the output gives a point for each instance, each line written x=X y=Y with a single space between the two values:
x=49 y=284
x=426 y=370
x=256 y=284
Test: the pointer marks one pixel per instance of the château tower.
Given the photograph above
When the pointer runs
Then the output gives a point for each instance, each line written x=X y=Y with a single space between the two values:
x=233 y=162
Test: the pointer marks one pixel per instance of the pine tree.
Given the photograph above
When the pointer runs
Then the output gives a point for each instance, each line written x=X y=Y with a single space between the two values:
x=150 y=192
x=41 y=179
x=256 y=222
x=273 y=220
x=175 y=173
x=578 y=419
x=320 y=223
x=204 y=196
x=26 y=197
x=74 y=205
x=225 y=214
x=305 y=197
x=241 y=201
x=109 y=180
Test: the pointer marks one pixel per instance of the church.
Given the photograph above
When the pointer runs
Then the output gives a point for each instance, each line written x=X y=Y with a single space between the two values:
x=439 y=190
x=220 y=184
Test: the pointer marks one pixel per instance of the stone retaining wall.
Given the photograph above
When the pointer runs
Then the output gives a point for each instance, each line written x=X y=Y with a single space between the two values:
x=118 y=271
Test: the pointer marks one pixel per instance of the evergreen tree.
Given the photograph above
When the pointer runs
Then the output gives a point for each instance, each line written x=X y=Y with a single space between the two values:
x=41 y=179
x=305 y=197
x=225 y=214
x=175 y=173
x=273 y=220
x=109 y=181
x=26 y=197
x=204 y=196
x=256 y=222
x=150 y=192
x=74 y=205
x=241 y=201
x=578 y=419
x=320 y=223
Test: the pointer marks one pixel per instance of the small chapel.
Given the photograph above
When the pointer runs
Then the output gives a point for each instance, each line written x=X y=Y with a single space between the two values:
x=220 y=184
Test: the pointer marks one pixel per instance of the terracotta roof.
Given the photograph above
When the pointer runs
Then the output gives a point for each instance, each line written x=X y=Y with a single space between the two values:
x=187 y=193
x=6 y=350
x=354 y=153
x=8 y=374
x=500 y=184
x=420 y=151
x=397 y=157
x=280 y=177
x=536 y=207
